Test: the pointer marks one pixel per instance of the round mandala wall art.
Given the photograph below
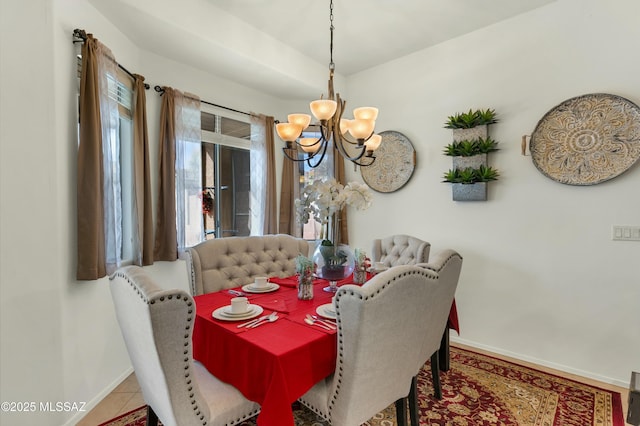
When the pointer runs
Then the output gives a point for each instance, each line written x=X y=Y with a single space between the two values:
x=587 y=140
x=394 y=165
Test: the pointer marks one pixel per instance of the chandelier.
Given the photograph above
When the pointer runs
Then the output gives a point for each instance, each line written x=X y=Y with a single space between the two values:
x=354 y=138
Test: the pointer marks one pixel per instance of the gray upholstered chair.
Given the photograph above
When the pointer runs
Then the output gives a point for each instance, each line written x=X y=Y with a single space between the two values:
x=221 y=263
x=400 y=250
x=448 y=265
x=157 y=325
x=387 y=330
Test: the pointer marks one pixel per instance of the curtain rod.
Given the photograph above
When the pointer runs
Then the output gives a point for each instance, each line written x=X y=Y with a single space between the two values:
x=80 y=36
x=160 y=90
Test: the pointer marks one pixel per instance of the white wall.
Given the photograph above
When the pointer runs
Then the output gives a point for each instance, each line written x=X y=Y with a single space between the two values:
x=541 y=278
x=60 y=339
x=30 y=285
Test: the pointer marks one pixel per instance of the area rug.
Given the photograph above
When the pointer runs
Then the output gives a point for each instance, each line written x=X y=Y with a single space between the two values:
x=481 y=390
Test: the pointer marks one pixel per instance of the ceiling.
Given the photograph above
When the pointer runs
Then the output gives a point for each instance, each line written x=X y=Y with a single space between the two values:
x=282 y=46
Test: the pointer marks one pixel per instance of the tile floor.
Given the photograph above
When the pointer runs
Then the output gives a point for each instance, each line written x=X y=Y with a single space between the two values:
x=124 y=398
x=127 y=396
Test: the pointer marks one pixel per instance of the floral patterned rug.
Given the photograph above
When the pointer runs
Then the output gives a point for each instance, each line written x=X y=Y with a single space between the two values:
x=480 y=390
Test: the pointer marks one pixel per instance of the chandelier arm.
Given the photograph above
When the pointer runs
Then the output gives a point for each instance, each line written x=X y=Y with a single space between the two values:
x=325 y=132
x=373 y=159
x=349 y=141
x=286 y=154
x=317 y=163
x=343 y=151
x=285 y=149
x=313 y=144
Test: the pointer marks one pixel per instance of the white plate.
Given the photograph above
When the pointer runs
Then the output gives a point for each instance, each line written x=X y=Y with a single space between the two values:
x=252 y=313
x=250 y=288
x=373 y=270
x=327 y=311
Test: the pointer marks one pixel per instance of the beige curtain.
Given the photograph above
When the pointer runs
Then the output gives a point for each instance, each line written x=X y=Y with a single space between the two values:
x=338 y=164
x=166 y=240
x=270 y=214
x=142 y=182
x=91 y=263
x=289 y=192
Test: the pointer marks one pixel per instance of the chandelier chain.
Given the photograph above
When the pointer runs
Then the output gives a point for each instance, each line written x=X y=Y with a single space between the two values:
x=331 y=27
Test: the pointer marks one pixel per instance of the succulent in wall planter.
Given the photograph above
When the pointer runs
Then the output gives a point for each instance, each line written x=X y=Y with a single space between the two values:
x=471 y=125
x=470 y=153
x=470 y=184
x=470 y=175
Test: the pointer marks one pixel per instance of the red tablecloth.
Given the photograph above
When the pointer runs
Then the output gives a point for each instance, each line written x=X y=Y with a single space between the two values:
x=273 y=364
x=276 y=363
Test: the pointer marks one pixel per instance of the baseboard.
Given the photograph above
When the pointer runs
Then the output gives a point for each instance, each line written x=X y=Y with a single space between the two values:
x=96 y=400
x=522 y=357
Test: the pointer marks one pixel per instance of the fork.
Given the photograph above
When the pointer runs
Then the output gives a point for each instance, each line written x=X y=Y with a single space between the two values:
x=253 y=321
x=316 y=321
x=324 y=321
x=270 y=318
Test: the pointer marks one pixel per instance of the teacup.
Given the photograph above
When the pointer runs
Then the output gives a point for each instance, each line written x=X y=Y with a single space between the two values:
x=261 y=282
x=239 y=305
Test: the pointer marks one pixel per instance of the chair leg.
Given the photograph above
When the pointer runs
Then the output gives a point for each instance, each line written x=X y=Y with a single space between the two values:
x=152 y=417
x=413 y=402
x=401 y=411
x=444 y=350
x=435 y=373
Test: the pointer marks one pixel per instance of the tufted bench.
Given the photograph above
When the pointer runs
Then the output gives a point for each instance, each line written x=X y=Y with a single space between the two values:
x=221 y=263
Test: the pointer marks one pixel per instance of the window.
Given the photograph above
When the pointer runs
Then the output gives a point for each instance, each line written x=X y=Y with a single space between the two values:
x=120 y=90
x=226 y=180
x=311 y=230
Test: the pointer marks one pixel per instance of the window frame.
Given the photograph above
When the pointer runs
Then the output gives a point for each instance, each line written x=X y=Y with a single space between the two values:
x=218 y=139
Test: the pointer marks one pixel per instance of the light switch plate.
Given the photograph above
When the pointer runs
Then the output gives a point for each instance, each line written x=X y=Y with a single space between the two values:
x=625 y=233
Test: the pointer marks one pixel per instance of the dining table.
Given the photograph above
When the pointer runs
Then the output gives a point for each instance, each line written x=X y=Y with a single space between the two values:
x=274 y=363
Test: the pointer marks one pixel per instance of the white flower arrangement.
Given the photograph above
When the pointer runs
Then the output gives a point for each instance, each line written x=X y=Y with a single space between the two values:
x=322 y=199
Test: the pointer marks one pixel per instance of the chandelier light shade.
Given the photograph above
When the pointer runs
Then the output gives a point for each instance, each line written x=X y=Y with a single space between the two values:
x=323 y=109
x=288 y=132
x=373 y=143
x=310 y=145
x=365 y=113
x=354 y=138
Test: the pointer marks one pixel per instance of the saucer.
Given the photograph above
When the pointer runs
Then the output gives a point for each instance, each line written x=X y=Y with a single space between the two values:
x=227 y=311
x=251 y=288
x=373 y=269
x=327 y=311
x=220 y=313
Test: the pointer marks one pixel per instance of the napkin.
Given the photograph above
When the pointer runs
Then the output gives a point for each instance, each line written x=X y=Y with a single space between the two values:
x=286 y=281
x=273 y=303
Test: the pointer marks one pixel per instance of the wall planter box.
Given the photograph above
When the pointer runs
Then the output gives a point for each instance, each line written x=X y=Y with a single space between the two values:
x=471 y=143
x=475 y=161
x=473 y=133
x=469 y=191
